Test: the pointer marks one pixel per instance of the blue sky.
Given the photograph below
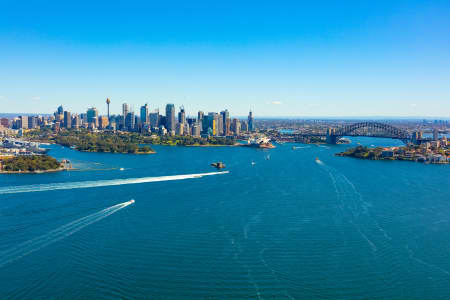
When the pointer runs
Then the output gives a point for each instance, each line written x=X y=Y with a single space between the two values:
x=279 y=58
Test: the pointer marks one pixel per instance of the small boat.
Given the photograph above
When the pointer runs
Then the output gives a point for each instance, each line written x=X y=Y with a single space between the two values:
x=121 y=169
x=132 y=201
x=253 y=163
x=218 y=165
x=293 y=148
x=317 y=159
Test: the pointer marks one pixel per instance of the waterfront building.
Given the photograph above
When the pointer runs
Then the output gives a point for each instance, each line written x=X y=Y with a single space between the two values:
x=196 y=129
x=92 y=116
x=251 y=121
x=210 y=124
x=144 y=114
x=170 y=117
x=67 y=120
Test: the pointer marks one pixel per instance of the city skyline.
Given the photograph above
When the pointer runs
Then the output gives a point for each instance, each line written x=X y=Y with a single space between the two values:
x=327 y=59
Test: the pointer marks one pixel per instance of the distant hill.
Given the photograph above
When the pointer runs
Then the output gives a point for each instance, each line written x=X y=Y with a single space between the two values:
x=13 y=115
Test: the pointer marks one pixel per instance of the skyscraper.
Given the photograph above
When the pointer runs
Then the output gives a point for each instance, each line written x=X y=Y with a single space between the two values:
x=60 y=110
x=154 y=118
x=236 y=126
x=24 y=122
x=103 y=122
x=67 y=119
x=251 y=121
x=92 y=116
x=182 y=115
x=200 y=116
x=170 y=117
x=144 y=114
x=129 y=121
x=225 y=115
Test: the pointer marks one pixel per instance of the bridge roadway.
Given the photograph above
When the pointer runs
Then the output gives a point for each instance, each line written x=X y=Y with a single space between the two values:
x=334 y=134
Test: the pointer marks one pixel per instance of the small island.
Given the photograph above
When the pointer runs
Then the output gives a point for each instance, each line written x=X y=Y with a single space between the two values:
x=423 y=153
x=31 y=164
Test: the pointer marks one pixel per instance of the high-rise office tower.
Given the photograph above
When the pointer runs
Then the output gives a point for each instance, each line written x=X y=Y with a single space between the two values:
x=32 y=122
x=200 y=116
x=129 y=121
x=103 y=122
x=144 y=114
x=60 y=110
x=23 y=122
x=182 y=115
x=227 y=127
x=67 y=119
x=76 y=121
x=236 y=126
x=251 y=121
x=224 y=115
x=154 y=118
x=170 y=117
x=92 y=116
x=125 y=109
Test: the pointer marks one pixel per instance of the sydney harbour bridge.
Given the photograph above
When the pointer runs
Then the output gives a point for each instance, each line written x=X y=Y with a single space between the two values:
x=372 y=129
x=369 y=129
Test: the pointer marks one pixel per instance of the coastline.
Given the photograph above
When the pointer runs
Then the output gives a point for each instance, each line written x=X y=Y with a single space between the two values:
x=37 y=171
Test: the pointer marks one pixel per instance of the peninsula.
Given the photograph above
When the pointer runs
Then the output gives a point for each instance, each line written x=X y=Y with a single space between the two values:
x=426 y=153
x=30 y=164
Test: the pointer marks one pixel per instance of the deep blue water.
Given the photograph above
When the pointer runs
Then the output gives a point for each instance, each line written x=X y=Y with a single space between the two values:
x=286 y=227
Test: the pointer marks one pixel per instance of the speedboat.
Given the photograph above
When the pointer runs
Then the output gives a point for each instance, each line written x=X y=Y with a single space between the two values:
x=132 y=201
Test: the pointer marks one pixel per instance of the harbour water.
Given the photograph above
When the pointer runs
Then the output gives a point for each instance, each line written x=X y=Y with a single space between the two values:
x=288 y=227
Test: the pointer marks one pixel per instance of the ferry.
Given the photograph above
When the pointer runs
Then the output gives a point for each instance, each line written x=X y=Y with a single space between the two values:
x=218 y=165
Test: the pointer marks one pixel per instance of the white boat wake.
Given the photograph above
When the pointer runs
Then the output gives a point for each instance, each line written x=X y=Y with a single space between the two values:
x=97 y=183
x=57 y=234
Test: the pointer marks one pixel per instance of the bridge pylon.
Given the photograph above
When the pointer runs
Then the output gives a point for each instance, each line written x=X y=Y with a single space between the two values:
x=331 y=136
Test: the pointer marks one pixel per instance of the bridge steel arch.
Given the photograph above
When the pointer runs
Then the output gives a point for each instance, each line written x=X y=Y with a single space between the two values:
x=389 y=130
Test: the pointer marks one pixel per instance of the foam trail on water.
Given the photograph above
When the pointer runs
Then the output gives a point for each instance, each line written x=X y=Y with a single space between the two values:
x=98 y=183
x=57 y=234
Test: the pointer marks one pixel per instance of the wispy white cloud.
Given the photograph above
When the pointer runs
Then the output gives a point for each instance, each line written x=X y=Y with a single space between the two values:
x=413 y=104
x=35 y=98
x=275 y=103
